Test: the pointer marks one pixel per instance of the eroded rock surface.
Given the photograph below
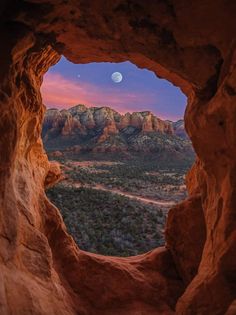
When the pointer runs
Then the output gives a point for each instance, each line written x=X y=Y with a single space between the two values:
x=82 y=118
x=102 y=129
x=192 y=44
x=186 y=221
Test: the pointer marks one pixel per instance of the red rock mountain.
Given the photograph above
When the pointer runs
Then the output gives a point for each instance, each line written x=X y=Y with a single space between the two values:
x=103 y=129
x=84 y=119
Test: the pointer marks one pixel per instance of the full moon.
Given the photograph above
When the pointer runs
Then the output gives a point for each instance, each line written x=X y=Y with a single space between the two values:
x=116 y=77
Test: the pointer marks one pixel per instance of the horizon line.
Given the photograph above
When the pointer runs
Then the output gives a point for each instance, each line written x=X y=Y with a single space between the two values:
x=87 y=106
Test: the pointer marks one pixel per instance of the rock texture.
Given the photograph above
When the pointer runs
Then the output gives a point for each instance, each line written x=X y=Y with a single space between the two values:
x=54 y=174
x=102 y=129
x=190 y=43
x=82 y=118
x=188 y=246
x=179 y=129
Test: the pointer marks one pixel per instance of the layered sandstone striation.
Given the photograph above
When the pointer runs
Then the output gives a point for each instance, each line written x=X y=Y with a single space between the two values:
x=179 y=129
x=102 y=129
x=41 y=269
x=82 y=118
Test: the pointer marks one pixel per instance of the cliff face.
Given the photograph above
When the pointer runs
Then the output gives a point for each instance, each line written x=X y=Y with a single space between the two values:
x=103 y=129
x=81 y=118
x=179 y=129
x=41 y=269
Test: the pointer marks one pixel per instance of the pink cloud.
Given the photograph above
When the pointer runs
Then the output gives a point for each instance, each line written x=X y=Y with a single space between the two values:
x=60 y=92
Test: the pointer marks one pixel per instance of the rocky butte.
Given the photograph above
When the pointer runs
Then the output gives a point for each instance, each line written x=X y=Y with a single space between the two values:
x=191 y=44
x=84 y=118
x=102 y=129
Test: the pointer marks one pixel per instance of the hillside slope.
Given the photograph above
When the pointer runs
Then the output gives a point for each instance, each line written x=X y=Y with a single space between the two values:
x=102 y=129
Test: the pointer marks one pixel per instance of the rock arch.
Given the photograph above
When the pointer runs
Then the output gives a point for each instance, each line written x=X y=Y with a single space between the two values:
x=192 y=44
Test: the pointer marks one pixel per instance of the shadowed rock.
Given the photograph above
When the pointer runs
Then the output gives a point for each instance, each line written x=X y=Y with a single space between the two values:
x=191 y=44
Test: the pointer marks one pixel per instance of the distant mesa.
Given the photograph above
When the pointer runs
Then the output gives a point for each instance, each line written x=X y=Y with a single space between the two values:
x=102 y=129
x=179 y=129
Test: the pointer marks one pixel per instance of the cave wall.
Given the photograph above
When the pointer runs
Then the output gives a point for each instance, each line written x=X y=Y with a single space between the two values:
x=42 y=271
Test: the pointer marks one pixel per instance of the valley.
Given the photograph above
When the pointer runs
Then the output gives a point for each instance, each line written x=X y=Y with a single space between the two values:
x=121 y=175
x=115 y=203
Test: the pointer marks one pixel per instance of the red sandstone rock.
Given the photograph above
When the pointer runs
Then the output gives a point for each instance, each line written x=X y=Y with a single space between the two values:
x=232 y=309
x=54 y=175
x=186 y=235
x=56 y=154
x=105 y=130
x=190 y=43
x=75 y=149
x=82 y=119
x=109 y=129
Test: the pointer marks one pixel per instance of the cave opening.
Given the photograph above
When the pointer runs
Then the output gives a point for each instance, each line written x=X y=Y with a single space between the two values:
x=42 y=269
x=117 y=132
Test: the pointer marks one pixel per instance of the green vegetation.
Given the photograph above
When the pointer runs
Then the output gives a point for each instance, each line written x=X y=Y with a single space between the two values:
x=142 y=175
x=109 y=224
x=105 y=222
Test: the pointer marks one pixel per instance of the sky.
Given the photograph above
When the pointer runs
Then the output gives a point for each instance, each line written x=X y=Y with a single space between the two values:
x=67 y=84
